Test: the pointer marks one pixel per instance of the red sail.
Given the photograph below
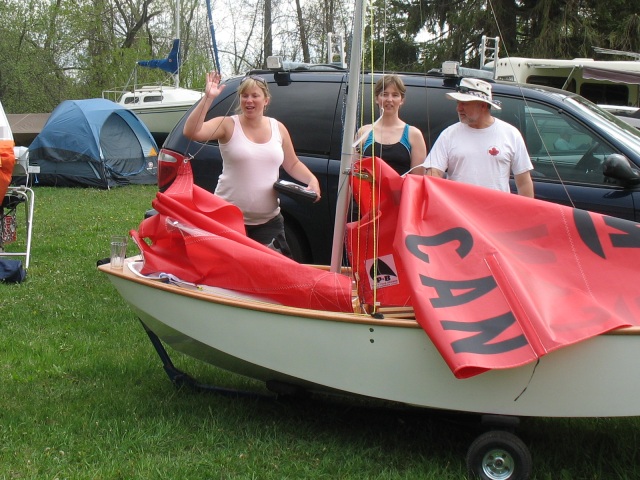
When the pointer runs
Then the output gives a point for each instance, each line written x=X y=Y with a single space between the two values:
x=498 y=280
x=376 y=189
x=200 y=238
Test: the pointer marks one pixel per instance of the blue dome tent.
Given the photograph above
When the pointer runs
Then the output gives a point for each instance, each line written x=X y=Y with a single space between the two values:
x=93 y=143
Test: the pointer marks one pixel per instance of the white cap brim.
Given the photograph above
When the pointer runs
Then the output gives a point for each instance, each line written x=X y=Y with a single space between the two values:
x=465 y=97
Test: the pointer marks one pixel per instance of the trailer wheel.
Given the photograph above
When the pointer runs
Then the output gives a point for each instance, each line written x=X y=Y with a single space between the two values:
x=498 y=455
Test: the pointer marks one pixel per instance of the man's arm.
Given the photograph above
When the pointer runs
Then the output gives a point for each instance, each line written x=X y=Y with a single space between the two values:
x=434 y=172
x=524 y=184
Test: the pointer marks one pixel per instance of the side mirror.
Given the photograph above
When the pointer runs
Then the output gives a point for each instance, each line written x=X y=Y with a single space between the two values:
x=619 y=167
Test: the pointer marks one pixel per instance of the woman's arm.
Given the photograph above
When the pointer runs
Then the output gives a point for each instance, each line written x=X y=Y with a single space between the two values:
x=294 y=167
x=361 y=136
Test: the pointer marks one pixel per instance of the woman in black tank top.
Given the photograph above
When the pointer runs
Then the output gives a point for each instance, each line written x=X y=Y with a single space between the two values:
x=400 y=145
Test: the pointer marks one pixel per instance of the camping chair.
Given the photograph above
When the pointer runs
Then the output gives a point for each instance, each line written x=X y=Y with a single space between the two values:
x=17 y=194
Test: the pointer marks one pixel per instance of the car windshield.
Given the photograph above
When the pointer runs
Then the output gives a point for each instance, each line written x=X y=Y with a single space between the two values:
x=613 y=126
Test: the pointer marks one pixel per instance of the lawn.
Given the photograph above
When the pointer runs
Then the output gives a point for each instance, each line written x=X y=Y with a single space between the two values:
x=83 y=394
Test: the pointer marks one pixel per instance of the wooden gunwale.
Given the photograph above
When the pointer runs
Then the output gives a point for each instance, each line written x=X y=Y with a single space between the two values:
x=390 y=316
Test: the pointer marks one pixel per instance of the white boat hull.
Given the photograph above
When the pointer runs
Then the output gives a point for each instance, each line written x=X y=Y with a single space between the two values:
x=386 y=359
x=160 y=108
x=160 y=119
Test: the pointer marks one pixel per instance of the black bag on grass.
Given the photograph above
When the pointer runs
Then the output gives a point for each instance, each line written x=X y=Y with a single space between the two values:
x=11 y=271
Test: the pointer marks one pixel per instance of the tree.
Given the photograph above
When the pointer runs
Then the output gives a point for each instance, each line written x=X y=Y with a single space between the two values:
x=306 y=57
x=56 y=50
x=534 y=28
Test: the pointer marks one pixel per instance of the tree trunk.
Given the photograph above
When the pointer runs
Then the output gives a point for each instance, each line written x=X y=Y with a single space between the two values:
x=267 y=33
x=306 y=57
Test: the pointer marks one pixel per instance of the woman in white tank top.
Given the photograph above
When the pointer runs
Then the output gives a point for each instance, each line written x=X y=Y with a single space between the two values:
x=253 y=148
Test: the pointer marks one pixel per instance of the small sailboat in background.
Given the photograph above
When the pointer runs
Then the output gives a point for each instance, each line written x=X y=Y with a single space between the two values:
x=159 y=106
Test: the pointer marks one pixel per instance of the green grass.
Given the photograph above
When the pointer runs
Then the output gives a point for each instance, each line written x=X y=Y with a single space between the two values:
x=83 y=394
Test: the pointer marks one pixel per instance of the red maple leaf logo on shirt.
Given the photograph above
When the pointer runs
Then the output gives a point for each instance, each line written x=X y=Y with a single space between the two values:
x=494 y=151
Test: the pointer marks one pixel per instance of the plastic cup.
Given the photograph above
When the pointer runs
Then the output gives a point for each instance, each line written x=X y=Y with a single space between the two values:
x=118 y=250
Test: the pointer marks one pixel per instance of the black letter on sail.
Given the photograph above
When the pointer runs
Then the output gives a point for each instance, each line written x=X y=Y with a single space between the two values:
x=488 y=330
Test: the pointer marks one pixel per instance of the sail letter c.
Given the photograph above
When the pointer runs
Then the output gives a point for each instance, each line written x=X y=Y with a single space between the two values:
x=459 y=234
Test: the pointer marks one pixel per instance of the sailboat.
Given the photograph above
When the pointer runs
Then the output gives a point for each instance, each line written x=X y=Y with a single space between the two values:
x=159 y=106
x=504 y=309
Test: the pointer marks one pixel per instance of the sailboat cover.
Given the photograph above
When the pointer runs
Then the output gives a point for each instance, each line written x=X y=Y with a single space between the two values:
x=200 y=238
x=496 y=280
x=171 y=64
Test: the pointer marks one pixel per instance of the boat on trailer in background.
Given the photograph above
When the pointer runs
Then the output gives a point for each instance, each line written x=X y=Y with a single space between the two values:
x=161 y=106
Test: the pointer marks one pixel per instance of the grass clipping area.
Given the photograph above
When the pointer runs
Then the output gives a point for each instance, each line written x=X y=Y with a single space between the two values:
x=83 y=394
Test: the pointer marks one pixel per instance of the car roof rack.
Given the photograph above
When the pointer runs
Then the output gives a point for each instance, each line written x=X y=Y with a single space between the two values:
x=453 y=69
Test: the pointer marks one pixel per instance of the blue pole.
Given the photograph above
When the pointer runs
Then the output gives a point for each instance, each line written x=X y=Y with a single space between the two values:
x=216 y=61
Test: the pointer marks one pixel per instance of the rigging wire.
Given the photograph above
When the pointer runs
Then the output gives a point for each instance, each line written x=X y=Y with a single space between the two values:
x=371 y=227
x=533 y=122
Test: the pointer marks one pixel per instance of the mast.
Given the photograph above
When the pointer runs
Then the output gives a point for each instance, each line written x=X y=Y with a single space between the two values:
x=353 y=89
x=176 y=25
x=214 y=44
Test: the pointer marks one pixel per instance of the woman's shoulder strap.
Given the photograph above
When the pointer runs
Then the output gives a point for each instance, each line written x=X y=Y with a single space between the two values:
x=404 y=140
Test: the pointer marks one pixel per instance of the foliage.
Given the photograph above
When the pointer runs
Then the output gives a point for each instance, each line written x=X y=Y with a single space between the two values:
x=67 y=49
x=30 y=79
x=530 y=28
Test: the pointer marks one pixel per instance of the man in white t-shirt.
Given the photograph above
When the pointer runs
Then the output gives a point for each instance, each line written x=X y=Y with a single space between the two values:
x=480 y=149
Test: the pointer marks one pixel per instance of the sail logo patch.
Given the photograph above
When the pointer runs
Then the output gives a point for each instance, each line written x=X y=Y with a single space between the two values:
x=382 y=271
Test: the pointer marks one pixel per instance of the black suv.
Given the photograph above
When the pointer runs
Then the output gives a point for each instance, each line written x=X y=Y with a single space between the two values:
x=311 y=103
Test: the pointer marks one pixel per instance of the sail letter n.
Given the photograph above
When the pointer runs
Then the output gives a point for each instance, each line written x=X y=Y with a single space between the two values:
x=488 y=330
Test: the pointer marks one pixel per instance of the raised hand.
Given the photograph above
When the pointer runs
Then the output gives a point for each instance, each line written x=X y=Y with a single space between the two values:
x=213 y=87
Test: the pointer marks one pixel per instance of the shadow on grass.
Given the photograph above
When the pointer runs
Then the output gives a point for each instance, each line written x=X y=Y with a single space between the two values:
x=408 y=439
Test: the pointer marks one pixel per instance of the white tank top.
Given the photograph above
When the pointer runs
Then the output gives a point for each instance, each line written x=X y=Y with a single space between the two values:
x=249 y=170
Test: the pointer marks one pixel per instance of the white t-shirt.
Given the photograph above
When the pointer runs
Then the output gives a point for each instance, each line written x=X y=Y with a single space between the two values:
x=249 y=171
x=480 y=156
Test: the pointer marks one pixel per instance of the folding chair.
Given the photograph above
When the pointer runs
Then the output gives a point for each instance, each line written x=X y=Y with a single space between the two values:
x=18 y=193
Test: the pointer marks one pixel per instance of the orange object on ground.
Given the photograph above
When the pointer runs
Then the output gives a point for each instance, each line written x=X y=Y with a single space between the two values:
x=7 y=161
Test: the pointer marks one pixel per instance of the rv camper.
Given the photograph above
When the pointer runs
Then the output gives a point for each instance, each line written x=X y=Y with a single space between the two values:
x=604 y=82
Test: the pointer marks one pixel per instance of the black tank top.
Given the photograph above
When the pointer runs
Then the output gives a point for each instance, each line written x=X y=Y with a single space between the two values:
x=396 y=155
